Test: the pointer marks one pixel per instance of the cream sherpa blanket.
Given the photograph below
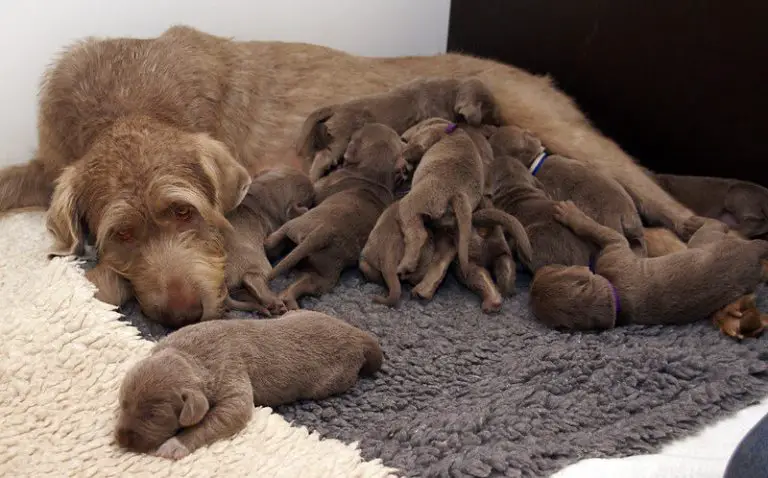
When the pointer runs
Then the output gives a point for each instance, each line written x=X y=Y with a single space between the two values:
x=62 y=357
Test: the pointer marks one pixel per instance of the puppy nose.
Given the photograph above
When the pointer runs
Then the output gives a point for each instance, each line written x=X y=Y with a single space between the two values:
x=125 y=437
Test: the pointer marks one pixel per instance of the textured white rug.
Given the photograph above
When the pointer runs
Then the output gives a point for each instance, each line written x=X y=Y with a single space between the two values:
x=62 y=357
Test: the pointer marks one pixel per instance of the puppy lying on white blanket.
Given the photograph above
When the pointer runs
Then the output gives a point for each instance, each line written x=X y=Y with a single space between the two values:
x=200 y=384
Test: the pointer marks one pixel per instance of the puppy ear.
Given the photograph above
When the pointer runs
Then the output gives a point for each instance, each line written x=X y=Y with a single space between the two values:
x=111 y=287
x=314 y=134
x=194 y=409
x=63 y=218
x=229 y=177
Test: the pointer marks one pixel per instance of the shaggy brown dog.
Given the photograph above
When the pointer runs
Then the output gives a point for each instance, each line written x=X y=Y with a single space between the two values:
x=200 y=383
x=449 y=178
x=626 y=289
x=148 y=133
x=742 y=205
x=274 y=198
x=326 y=132
x=515 y=191
x=330 y=237
x=596 y=194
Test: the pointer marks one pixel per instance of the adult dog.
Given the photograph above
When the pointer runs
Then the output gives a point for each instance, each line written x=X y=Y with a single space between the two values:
x=146 y=144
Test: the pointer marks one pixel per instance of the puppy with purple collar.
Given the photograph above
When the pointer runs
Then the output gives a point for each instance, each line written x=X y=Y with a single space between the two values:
x=678 y=288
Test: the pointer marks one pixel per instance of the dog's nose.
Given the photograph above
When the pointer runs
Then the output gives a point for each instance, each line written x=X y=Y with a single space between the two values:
x=183 y=304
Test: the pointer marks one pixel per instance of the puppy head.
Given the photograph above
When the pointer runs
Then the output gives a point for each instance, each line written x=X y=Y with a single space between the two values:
x=153 y=199
x=422 y=136
x=476 y=104
x=282 y=191
x=374 y=147
x=746 y=209
x=516 y=142
x=572 y=298
x=158 y=397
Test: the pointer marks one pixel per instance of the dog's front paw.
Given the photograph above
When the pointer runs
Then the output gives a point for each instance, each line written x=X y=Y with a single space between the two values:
x=690 y=226
x=172 y=449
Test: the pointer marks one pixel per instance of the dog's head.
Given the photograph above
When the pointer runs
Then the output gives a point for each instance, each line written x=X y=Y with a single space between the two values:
x=158 y=397
x=475 y=103
x=572 y=298
x=282 y=192
x=516 y=142
x=153 y=201
x=746 y=209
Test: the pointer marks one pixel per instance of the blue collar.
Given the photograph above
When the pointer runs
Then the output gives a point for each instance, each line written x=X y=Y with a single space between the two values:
x=538 y=162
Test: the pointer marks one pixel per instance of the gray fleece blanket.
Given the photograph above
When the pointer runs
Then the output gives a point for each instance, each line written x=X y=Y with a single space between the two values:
x=462 y=393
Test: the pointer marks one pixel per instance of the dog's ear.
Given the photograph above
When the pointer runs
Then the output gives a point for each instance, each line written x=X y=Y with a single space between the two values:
x=194 y=407
x=64 y=219
x=314 y=134
x=111 y=287
x=475 y=103
x=229 y=177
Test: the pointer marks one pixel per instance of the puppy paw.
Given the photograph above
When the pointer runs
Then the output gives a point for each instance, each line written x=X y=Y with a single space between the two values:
x=172 y=449
x=690 y=226
x=289 y=302
x=491 y=305
x=423 y=292
x=566 y=212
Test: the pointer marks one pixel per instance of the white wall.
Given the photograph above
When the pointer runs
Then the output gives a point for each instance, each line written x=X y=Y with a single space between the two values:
x=32 y=31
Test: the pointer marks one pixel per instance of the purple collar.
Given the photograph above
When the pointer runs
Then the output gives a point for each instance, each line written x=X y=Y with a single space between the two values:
x=616 y=299
x=451 y=128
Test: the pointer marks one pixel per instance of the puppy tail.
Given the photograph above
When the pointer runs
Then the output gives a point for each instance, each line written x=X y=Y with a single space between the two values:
x=463 y=212
x=373 y=355
x=25 y=185
x=314 y=241
x=491 y=216
x=393 y=284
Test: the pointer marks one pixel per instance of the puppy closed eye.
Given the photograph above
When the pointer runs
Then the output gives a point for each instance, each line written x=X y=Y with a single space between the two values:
x=182 y=212
x=125 y=234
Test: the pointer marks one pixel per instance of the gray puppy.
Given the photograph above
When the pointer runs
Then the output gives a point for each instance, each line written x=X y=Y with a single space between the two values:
x=274 y=198
x=517 y=192
x=330 y=237
x=686 y=286
x=599 y=196
x=449 y=178
x=201 y=383
x=742 y=205
x=326 y=132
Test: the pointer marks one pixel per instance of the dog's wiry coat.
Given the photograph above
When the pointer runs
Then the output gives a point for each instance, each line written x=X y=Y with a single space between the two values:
x=200 y=383
x=237 y=102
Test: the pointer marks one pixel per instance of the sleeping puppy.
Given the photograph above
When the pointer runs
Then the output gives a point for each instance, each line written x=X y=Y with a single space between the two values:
x=449 y=178
x=274 y=198
x=383 y=252
x=599 y=196
x=329 y=237
x=201 y=383
x=515 y=191
x=715 y=270
x=742 y=205
x=327 y=131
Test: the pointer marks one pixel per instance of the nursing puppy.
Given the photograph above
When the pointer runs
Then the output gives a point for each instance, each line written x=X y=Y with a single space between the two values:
x=741 y=318
x=274 y=198
x=742 y=205
x=330 y=237
x=383 y=252
x=449 y=177
x=326 y=132
x=599 y=196
x=715 y=270
x=515 y=191
x=385 y=248
x=201 y=383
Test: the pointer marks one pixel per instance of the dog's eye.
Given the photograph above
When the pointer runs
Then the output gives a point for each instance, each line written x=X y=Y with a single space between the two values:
x=182 y=213
x=125 y=234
